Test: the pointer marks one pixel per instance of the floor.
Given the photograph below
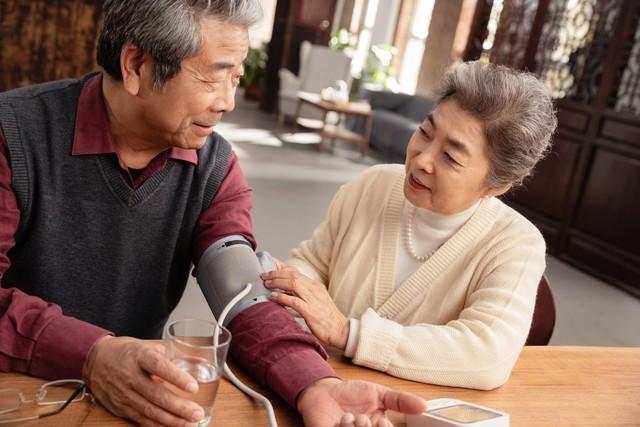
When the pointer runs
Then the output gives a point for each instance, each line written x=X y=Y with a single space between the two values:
x=293 y=184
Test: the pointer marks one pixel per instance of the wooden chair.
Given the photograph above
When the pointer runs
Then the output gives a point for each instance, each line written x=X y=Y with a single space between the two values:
x=544 y=316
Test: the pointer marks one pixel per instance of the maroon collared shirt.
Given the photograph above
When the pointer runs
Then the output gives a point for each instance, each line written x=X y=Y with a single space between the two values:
x=36 y=338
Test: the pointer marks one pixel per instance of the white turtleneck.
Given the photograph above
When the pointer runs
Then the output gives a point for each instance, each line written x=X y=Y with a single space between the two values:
x=429 y=231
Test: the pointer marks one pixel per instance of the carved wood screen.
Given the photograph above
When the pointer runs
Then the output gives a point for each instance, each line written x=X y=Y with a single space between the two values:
x=45 y=40
x=585 y=196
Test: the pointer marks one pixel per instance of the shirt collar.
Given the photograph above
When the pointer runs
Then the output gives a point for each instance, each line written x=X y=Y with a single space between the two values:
x=92 y=133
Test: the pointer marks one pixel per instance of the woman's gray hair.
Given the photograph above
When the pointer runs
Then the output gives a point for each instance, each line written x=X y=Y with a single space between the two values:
x=516 y=111
x=169 y=30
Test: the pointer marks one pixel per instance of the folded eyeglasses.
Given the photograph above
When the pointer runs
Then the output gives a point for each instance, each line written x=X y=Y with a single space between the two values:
x=56 y=395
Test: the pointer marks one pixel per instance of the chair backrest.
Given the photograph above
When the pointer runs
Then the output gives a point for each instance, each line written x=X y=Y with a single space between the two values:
x=544 y=316
x=321 y=66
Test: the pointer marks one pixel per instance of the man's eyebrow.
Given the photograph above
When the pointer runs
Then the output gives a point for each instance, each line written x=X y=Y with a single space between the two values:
x=217 y=66
x=456 y=145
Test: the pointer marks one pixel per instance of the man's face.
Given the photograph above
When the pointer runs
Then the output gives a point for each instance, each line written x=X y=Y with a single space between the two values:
x=188 y=106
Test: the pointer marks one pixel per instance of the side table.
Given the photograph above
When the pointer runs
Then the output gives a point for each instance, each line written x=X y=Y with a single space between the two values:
x=331 y=131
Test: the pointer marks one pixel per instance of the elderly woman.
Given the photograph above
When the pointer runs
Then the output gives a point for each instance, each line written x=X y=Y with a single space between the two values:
x=421 y=271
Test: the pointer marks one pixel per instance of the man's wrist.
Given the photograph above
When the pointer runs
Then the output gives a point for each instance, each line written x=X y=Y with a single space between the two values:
x=319 y=383
x=91 y=356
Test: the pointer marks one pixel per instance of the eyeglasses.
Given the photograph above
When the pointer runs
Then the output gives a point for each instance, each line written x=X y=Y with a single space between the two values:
x=55 y=394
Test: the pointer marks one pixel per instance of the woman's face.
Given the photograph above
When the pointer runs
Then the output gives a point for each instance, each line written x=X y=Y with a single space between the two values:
x=447 y=161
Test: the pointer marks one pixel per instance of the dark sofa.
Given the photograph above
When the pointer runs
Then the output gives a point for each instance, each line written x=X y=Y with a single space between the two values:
x=395 y=117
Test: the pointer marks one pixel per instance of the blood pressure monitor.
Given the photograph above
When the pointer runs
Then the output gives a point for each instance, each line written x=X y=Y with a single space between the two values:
x=457 y=413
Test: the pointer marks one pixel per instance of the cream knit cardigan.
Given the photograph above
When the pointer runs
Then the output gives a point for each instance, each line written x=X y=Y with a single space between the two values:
x=461 y=319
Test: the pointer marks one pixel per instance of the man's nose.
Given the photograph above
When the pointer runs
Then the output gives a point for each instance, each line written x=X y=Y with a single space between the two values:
x=226 y=99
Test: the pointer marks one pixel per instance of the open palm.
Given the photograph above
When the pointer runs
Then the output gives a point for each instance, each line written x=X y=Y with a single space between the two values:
x=330 y=405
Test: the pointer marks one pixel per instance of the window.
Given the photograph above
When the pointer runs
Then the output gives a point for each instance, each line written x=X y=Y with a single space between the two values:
x=414 y=48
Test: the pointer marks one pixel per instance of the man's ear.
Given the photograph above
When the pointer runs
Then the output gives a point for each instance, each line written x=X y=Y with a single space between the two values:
x=134 y=65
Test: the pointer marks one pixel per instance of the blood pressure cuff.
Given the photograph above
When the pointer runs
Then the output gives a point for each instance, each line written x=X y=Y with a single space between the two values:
x=224 y=270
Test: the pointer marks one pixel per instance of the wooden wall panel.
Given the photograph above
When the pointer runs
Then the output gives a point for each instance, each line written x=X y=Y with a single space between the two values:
x=610 y=206
x=44 y=40
x=572 y=120
x=621 y=130
x=605 y=261
x=546 y=192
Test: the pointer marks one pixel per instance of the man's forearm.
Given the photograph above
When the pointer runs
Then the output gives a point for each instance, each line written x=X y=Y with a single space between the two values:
x=275 y=349
x=37 y=339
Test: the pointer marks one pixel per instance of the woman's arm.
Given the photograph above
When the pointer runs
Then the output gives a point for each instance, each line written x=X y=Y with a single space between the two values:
x=480 y=347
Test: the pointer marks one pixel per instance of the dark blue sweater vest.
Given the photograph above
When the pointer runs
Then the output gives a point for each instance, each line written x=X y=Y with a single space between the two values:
x=107 y=254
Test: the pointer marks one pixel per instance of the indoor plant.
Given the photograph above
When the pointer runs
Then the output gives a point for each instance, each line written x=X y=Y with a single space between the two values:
x=254 y=70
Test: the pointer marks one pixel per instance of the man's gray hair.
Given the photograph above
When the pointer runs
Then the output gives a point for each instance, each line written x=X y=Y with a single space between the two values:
x=169 y=30
x=515 y=109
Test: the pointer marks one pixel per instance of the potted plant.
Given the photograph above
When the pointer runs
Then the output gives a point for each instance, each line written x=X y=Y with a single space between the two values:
x=254 y=70
x=378 y=70
x=343 y=41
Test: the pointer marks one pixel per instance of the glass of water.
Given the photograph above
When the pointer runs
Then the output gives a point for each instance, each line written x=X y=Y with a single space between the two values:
x=198 y=347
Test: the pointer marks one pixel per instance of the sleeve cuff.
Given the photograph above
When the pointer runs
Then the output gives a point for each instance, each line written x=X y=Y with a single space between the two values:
x=379 y=338
x=309 y=368
x=62 y=348
x=352 y=339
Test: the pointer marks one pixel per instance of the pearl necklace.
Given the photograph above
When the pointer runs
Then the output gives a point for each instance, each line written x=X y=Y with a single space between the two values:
x=408 y=232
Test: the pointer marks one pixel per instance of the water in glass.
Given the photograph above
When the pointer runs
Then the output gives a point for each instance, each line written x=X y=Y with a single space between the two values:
x=199 y=348
x=208 y=379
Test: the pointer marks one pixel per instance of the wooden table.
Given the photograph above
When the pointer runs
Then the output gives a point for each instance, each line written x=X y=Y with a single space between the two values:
x=549 y=386
x=336 y=131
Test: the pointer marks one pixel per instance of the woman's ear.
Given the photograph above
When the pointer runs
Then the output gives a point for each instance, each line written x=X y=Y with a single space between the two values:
x=134 y=63
x=495 y=192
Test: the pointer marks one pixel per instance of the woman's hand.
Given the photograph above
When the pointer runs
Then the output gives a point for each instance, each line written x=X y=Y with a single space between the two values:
x=312 y=301
x=279 y=264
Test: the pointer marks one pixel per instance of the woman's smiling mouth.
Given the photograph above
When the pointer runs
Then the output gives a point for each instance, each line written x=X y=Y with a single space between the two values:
x=417 y=185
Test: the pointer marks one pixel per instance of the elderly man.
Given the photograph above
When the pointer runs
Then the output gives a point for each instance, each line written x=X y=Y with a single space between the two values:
x=110 y=187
